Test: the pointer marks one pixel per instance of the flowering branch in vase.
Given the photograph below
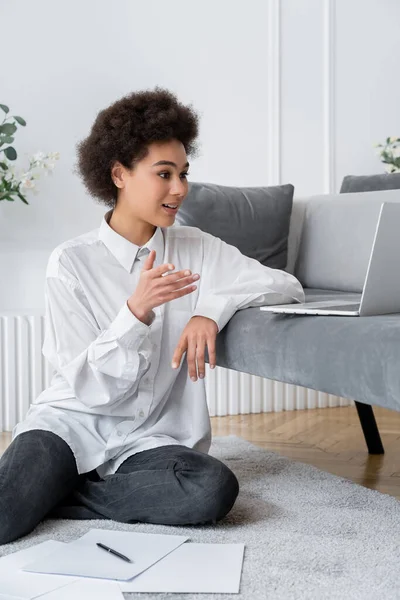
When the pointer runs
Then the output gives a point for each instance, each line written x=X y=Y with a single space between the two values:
x=13 y=183
x=390 y=154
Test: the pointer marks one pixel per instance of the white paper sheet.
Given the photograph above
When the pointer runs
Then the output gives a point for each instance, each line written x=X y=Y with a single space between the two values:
x=17 y=584
x=190 y=568
x=86 y=589
x=83 y=558
x=193 y=568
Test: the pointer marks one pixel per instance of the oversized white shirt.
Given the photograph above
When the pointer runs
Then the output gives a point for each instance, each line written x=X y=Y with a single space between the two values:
x=114 y=392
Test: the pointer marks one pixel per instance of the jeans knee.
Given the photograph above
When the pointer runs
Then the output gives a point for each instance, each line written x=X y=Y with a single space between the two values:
x=228 y=494
x=225 y=489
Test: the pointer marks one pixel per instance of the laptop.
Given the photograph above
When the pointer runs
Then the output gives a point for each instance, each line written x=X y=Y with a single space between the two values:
x=381 y=291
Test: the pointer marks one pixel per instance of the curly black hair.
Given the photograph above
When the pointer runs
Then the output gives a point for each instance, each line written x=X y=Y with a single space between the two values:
x=123 y=131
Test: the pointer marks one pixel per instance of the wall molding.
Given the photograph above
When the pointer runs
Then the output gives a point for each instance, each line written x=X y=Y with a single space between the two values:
x=329 y=88
x=274 y=92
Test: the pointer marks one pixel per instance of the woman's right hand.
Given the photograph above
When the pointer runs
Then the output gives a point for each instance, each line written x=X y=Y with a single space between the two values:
x=156 y=286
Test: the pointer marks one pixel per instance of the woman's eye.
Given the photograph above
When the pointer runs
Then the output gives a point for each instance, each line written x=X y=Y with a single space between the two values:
x=167 y=173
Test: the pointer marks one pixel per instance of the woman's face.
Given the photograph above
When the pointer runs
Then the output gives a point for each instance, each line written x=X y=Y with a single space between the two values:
x=152 y=183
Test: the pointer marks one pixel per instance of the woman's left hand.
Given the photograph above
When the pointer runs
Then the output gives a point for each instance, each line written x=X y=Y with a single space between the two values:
x=197 y=333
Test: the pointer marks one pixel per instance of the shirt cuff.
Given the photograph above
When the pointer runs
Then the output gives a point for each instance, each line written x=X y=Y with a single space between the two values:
x=217 y=308
x=126 y=320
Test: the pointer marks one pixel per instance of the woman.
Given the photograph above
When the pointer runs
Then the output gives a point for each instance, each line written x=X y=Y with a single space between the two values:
x=121 y=433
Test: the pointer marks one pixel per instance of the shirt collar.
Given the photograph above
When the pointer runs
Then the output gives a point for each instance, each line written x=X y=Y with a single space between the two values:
x=124 y=250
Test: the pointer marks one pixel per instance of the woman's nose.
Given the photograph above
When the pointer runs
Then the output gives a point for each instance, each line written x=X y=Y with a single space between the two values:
x=178 y=188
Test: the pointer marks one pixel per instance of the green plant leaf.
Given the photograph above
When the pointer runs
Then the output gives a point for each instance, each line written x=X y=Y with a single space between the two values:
x=22 y=198
x=6 y=139
x=10 y=153
x=8 y=128
x=20 y=120
x=3 y=166
x=4 y=108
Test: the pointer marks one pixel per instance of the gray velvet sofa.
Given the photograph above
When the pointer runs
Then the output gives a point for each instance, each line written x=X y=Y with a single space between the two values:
x=328 y=241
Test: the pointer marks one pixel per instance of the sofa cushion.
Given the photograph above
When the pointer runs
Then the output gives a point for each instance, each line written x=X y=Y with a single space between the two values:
x=352 y=357
x=336 y=239
x=369 y=183
x=254 y=219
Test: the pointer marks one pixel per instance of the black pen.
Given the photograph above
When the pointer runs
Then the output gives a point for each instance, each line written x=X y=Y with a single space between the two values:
x=113 y=552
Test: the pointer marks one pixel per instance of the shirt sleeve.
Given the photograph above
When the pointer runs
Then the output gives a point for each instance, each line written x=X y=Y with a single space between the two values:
x=231 y=281
x=100 y=366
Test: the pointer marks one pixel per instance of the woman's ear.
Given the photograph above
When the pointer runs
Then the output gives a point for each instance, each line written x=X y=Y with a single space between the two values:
x=117 y=175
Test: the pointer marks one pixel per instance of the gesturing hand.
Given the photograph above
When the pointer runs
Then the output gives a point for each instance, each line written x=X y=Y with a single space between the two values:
x=157 y=286
x=197 y=333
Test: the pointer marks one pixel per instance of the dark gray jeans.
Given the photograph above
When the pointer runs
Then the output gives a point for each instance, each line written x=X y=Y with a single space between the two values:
x=171 y=485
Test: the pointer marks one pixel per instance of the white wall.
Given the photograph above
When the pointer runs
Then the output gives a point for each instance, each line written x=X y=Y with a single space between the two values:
x=287 y=90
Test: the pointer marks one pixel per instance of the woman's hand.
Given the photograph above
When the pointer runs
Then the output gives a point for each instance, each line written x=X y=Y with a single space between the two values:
x=157 y=286
x=197 y=333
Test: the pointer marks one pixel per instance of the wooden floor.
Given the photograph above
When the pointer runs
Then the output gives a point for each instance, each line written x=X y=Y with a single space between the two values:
x=328 y=438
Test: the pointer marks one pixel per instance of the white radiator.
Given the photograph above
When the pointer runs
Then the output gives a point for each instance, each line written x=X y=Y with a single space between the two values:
x=24 y=373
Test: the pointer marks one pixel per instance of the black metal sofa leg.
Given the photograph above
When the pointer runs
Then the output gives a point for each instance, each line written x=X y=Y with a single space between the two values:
x=370 y=428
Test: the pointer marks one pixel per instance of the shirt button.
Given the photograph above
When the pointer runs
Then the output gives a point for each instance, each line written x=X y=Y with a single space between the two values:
x=119 y=433
x=141 y=414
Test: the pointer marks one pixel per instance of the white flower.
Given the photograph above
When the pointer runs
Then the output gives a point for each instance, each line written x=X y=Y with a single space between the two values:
x=393 y=139
x=27 y=184
x=38 y=157
x=396 y=151
x=25 y=179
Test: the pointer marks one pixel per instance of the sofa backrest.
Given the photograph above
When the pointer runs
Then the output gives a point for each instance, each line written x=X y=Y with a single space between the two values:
x=331 y=236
